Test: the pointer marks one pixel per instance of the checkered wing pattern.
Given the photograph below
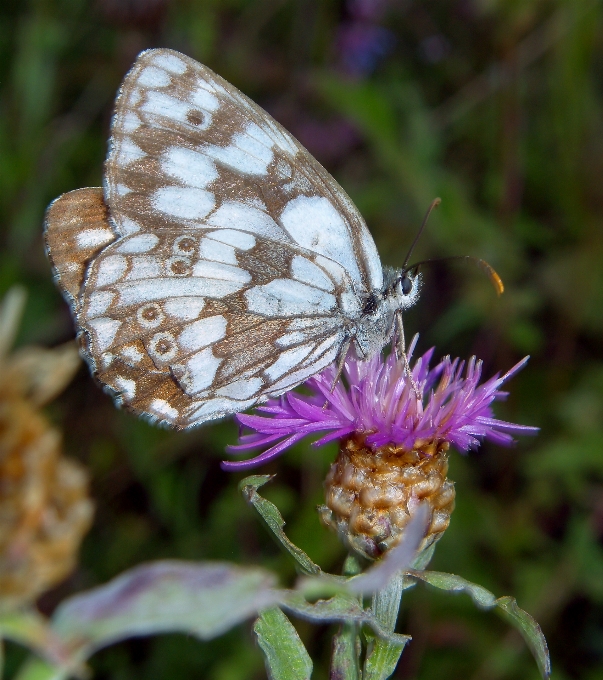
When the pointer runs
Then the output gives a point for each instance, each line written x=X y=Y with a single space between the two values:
x=224 y=264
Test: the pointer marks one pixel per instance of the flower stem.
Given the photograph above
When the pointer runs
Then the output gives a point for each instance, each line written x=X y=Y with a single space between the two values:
x=383 y=655
x=345 y=658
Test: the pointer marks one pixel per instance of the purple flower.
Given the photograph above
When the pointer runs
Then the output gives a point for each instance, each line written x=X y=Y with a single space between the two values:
x=381 y=403
x=361 y=46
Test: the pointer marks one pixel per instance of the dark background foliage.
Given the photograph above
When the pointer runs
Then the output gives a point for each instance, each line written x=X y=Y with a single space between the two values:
x=494 y=105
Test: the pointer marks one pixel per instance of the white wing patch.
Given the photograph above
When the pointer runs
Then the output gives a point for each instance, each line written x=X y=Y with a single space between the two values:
x=202 y=333
x=306 y=271
x=154 y=77
x=190 y=167
x=198 y=372
x=249 y=152
x=186 y=203
x=314 y=223
x=247 y=218
x=286 y=297
x=170 y=61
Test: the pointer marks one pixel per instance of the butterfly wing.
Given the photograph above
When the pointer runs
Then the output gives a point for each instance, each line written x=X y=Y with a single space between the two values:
x=227 y=321
x=239 y=263
x=186 y=146
x=76 y=229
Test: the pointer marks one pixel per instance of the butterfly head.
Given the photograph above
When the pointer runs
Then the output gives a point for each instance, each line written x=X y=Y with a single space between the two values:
x=400 y=288
x=376 y=325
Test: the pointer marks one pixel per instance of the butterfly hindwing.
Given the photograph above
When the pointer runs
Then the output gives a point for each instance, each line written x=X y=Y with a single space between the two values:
x=229 y=324
x=76 y=229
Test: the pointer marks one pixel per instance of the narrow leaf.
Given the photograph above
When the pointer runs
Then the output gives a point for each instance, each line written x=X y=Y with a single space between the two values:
x=274 y=520
x=383 y=658
x=481 y=597
x=530 y=631
x=525 y=624
x=383 y=654
x=204 y=599
x=285 y=655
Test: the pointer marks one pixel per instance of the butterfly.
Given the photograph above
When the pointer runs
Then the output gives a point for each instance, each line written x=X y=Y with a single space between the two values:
x=221 y=264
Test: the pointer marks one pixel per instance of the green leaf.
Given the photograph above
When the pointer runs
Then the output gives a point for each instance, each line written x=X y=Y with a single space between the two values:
x=286 y=656
x=383 y=654
x=274 y=520
x=481 y=597
x=530 y=631
x=37 y=669
x=525 y=624
x=203 y=599
x=32 y=630
x=383 y=657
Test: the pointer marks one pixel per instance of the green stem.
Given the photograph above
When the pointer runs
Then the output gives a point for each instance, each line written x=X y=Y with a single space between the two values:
x=383 y=655
x=345 y=658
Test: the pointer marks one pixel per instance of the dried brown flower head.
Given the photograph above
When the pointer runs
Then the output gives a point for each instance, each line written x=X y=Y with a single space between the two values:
x=44 y=506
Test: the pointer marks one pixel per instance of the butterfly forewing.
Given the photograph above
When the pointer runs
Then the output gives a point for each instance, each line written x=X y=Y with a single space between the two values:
x=187 y=146
x=239 y=265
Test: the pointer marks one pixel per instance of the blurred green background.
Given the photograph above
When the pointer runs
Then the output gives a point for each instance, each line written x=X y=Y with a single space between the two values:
x=497 y=107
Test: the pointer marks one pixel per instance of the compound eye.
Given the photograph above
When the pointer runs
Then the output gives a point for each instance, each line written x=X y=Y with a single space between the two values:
x=406 y=285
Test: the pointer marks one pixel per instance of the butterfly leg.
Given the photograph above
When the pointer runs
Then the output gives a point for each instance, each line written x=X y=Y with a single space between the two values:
x=343 y=352
x=401 y=350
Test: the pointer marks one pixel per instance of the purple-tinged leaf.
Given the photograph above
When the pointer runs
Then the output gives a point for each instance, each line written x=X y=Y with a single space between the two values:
x=204 y=599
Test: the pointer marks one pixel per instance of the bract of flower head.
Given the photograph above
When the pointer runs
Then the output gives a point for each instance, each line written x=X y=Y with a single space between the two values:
x=447 y=403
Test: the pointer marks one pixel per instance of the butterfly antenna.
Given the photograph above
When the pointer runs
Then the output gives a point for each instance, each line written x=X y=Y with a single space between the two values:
x=495 y=279
x=434 y=204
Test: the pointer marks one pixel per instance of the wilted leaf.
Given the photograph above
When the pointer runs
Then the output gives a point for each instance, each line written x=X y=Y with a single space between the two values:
x=338 y=608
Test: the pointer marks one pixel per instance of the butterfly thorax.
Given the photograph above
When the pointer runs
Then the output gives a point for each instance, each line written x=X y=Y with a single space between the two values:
x=377 y=321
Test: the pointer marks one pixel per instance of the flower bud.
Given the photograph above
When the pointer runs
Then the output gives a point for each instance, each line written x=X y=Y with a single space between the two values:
x=372 y=494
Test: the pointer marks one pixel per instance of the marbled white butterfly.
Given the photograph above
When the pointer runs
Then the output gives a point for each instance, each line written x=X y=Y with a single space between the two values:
x=221 y=264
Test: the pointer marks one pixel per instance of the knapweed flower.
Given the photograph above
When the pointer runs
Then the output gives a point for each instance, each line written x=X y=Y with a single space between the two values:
x=394 y=436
